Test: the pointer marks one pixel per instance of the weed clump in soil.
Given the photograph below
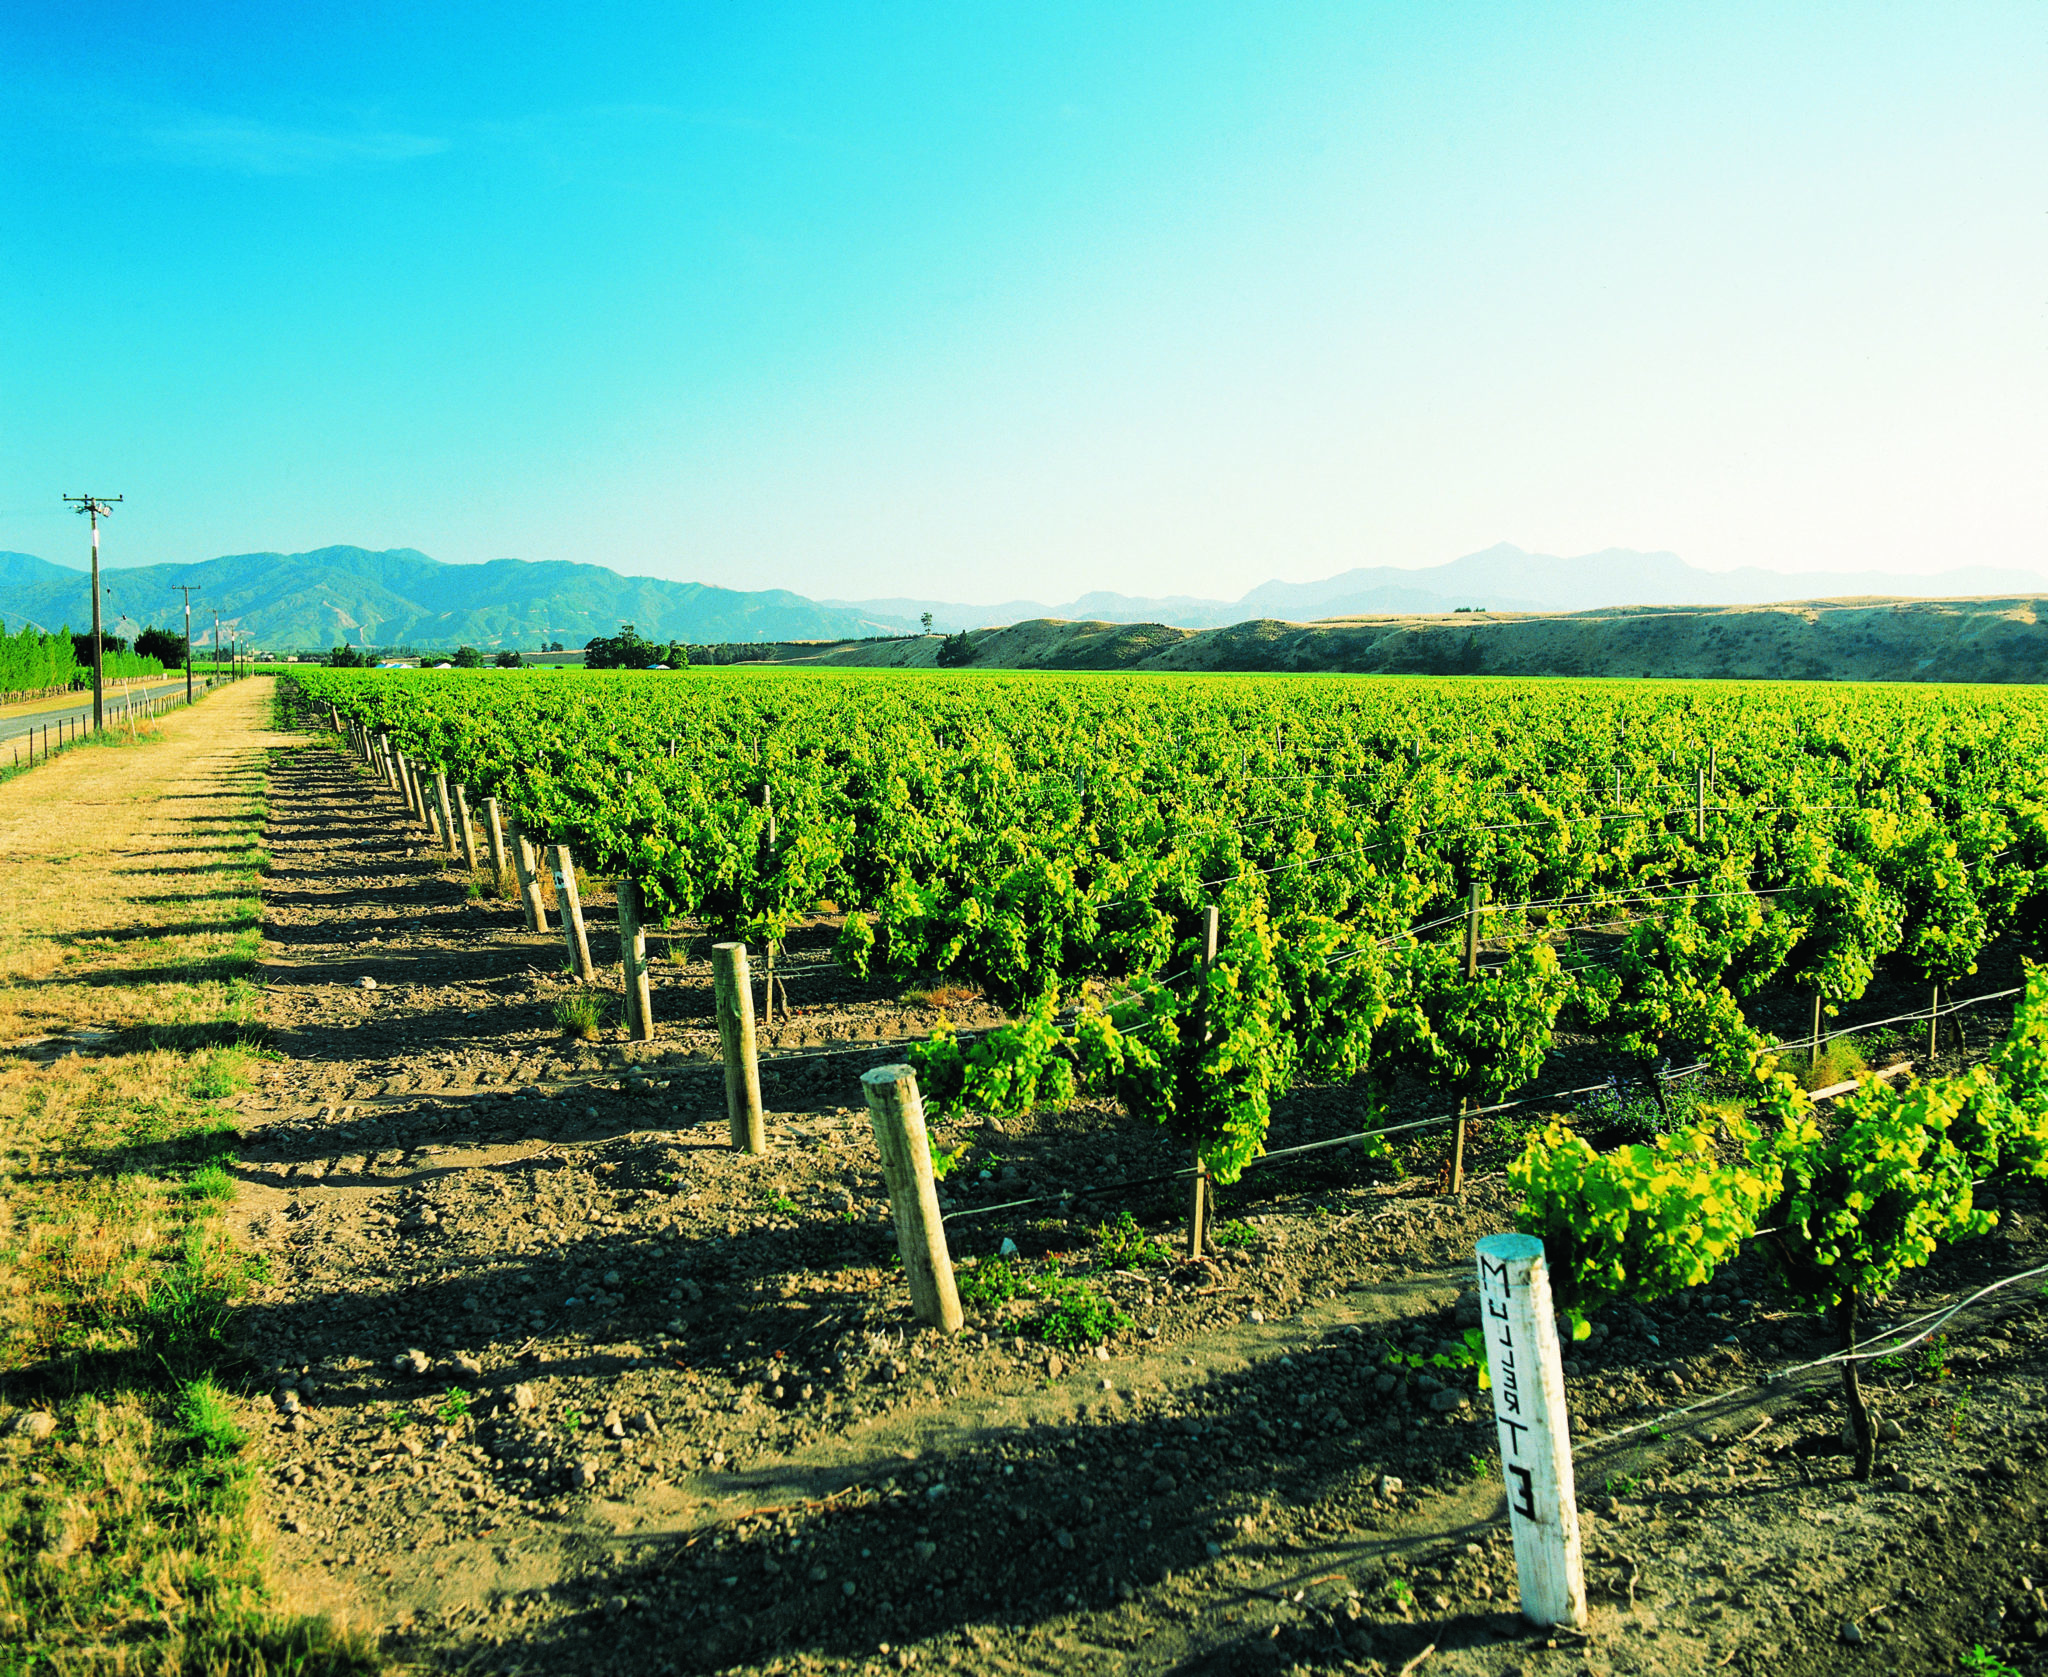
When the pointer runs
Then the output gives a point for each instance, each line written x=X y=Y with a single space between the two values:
x=1073 y=1310
x=1837 y=1062
x=580 y=1016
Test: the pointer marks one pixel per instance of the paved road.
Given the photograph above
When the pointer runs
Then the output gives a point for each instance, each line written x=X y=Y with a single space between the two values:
x=16 y=729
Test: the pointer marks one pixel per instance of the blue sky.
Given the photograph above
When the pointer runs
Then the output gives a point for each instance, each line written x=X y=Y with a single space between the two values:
x=986 y=301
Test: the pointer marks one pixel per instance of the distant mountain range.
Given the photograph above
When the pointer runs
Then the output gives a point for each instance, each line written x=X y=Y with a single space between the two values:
x=1502 y=578
x=338 y=595
x=402 y=597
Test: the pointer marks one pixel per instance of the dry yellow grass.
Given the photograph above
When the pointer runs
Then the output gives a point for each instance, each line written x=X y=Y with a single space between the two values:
x=130 y=1536
x=131 y=899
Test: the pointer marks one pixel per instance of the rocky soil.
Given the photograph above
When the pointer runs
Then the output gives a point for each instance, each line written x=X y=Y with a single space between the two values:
x=554 y=1380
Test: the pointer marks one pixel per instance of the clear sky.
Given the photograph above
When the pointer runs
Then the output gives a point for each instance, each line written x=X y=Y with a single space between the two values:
x=989 y=300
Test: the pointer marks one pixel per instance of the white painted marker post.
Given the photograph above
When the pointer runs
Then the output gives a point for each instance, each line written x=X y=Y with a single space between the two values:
x=1535 y=1435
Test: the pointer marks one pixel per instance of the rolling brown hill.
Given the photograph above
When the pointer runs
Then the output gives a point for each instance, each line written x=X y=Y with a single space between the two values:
x=1863 y=639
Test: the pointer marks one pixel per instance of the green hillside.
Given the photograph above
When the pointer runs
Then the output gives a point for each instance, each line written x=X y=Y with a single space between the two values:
x=402 y=597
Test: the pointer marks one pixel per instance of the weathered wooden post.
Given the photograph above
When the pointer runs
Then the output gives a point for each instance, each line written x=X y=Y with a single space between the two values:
x=494 y=831
x=633 y=963
x=1699 y=819
x=897 y=1113
x=733 y=990
x=465 y=827
x=1534 y=1428
x=1198 y=1190
x=530 y=897
x=1933 y=1026
x=572 y=915
x=446 y=814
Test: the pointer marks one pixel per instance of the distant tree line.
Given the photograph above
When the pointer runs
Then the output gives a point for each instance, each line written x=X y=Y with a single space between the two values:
x=630 y=650
x=34 y=660
x=627 y=650
x=463 y=657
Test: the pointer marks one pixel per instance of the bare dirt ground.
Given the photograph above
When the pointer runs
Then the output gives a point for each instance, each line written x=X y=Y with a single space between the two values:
x=554 y=1381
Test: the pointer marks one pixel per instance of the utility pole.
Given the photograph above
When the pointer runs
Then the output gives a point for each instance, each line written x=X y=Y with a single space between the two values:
x=187 y=590
x=216 y=642
x=96 y=507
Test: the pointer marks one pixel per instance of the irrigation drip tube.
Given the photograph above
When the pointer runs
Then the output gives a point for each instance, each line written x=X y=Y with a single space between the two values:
x=1928 y=1324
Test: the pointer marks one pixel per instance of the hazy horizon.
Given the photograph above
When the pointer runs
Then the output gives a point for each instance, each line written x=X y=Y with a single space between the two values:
x=108 y=563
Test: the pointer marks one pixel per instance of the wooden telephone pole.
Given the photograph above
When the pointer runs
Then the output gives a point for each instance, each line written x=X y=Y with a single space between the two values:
x=96 y=507
x=188 y=591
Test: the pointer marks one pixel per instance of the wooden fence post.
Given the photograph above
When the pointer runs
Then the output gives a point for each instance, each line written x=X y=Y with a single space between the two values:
x=1198 y=1191
x=734 y=991
x=1699 y=820
x=897 y=1113
x=529 y=881
x=633 y=963
x=465 y=827
x=572 y=915
x=446 y=814
x=494 y=831
x=1933 y=1026
x=1535 y=1438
